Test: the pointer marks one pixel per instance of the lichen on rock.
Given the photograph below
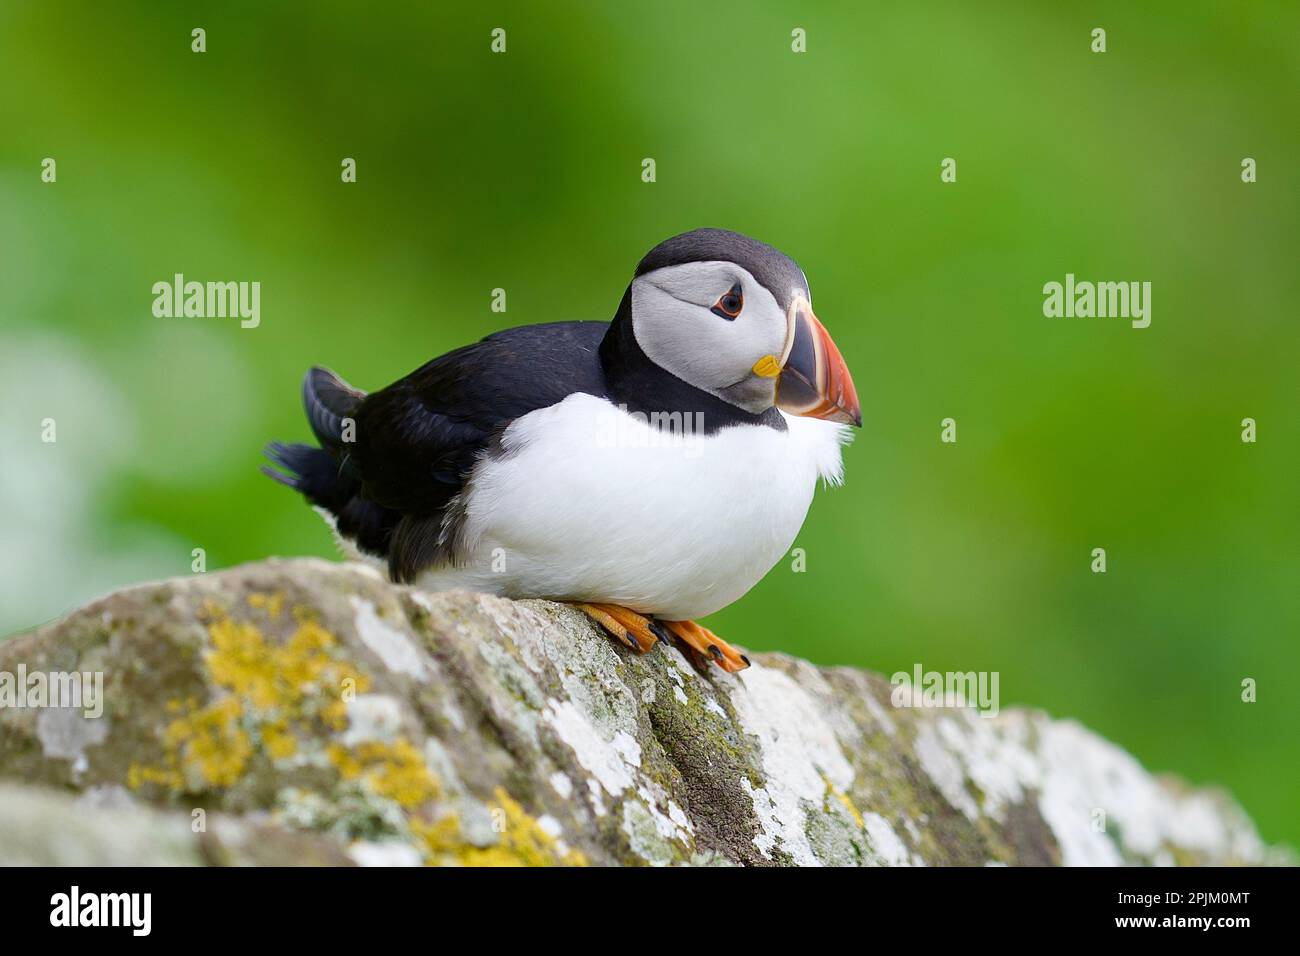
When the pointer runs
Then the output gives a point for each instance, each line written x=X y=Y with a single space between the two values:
x=312 y=712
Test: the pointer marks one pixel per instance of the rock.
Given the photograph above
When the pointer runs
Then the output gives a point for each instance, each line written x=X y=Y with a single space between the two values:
x=43 y=827
x=311 y=712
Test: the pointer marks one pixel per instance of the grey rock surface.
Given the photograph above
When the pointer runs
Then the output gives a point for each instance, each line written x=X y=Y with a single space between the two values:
x=310 y=712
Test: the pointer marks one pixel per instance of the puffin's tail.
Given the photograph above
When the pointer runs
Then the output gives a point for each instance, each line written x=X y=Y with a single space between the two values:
x=325 y=476
x=321 y=474
x=329 y=401
x=311 y=471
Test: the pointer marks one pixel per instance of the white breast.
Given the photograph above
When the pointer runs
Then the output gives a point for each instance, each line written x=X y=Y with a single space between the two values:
x=585 y=502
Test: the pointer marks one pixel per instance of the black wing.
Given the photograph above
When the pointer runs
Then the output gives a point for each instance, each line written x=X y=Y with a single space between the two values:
x=413 y=443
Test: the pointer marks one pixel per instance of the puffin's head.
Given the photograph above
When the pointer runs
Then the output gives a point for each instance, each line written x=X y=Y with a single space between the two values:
x=733 y=317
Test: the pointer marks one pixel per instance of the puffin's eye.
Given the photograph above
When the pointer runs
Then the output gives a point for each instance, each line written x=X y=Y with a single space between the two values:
x=729 y=306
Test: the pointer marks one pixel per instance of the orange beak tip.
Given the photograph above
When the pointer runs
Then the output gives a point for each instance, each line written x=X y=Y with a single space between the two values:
x=815 y=380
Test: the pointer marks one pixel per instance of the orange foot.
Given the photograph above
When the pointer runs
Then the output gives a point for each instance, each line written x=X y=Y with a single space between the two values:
x=708 y=646
x=635 y=630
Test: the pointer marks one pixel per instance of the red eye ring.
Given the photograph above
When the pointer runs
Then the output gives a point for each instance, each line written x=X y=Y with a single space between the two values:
x=730 y=304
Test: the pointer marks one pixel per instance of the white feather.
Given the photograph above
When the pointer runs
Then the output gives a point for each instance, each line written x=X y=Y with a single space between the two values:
x=588 y=503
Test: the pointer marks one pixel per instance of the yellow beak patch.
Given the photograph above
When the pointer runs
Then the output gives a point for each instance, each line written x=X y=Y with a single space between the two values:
x=769 y=366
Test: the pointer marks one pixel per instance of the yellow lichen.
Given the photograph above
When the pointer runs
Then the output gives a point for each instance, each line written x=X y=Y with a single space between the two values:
x=241 y=662
x=138 y=776
x=274 y=700
x=843 y=798
x=212 y=742
x=279 y=742
x=211 y=609
x=345 y=761
x=265 y=690
x=273 y=604
x=277 y=677
x=523 y=842
x=396 y=770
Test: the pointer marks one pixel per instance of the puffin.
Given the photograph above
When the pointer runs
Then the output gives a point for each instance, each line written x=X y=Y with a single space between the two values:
x=648 y=470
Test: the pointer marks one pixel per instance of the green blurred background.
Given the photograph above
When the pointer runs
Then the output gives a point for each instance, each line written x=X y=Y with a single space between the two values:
x=522 y=171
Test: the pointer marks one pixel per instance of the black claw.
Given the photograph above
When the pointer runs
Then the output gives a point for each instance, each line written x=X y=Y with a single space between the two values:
x=745 y=659
x=660 y=631
x=716 y=653
x=625 y=639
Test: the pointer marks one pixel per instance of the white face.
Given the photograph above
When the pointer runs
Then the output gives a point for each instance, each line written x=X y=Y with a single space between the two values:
x=682 y=317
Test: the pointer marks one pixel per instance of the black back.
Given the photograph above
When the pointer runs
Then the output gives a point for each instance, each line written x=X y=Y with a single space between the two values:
x=418 y=438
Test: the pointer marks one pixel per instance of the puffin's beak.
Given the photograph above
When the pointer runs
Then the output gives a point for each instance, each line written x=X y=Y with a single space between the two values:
x=814 y=380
